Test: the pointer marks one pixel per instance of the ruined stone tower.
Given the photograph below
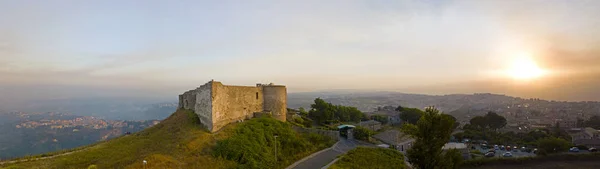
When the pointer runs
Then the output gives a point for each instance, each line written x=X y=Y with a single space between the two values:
x=218 y=105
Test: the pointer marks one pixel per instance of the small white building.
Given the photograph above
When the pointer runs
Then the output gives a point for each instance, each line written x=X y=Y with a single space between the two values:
x=462 y=147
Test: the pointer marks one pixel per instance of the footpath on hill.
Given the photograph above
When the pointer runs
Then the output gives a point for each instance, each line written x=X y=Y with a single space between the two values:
x=39 y=158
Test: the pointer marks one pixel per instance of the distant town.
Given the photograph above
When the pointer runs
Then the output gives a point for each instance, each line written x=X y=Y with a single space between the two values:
x=82 y=121
x=23 y=133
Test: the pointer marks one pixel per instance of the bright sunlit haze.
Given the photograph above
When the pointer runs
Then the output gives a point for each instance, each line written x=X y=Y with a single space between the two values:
x=525 y=68
x=540 y=49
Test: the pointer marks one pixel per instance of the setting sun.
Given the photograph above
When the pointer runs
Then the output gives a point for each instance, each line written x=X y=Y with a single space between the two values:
x=525 y=68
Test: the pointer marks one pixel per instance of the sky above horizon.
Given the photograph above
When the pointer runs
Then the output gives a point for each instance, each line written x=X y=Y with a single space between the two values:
x=426 y=46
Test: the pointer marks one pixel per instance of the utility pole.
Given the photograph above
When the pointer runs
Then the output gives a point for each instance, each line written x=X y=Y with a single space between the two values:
x=276 y=150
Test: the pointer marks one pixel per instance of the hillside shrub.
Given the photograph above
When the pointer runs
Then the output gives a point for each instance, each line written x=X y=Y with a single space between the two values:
x=370 y=158
x=362 y=133
x=253 y=144
x=169 y=139
x=553 y=145
x=526 y=160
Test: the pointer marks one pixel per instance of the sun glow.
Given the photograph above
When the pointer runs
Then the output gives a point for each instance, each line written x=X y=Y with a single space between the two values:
x=525 y=68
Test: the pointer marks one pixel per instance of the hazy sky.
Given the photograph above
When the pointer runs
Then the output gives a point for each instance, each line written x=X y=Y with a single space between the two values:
x=424 y=46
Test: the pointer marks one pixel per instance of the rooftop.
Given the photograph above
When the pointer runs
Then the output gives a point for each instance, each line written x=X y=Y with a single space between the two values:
x=392 y=137
x=384 y=112
x=370 y=122
x=454 y=146
x=346 y=125
x=590 y=130
x=587 y=142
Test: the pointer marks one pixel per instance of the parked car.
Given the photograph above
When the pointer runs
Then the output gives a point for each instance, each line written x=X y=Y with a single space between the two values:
x=496 y=147
x=490 y=154
x=534 y=151
x=593 y=149
x=508 y=148
x=507 y=154
x=502 y=147
x=574 y=149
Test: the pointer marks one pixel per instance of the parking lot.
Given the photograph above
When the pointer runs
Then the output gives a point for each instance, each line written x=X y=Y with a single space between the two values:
x=499 y=153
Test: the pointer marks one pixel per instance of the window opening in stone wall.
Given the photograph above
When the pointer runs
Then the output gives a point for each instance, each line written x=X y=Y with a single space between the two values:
x=256 y=95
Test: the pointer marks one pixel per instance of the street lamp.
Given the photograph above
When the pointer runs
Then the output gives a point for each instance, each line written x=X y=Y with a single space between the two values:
x=276 y=149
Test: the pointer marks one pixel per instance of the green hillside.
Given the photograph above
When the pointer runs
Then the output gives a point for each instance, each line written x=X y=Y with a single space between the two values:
x=370 y=158
x=180 y=141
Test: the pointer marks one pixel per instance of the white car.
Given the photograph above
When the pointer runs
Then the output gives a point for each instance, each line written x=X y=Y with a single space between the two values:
x=507 y=154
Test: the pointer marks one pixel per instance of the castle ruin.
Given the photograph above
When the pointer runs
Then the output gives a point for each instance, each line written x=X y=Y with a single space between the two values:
x=218 y=105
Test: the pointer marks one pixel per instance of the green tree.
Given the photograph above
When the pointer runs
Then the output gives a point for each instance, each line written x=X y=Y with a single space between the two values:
x=399 y=108
x=559 y=133
x=321 y=111
x=411 y=115
x=494 y=121
x=452 y=159
x=431 y=133
x=593 y=122
x=456 y=123
x=303 y=112
x=362 y=133
x=552 y=145
x=490 y=121
x=459 y=136
x=380 y=118
x=478 y=122
x=324 y=113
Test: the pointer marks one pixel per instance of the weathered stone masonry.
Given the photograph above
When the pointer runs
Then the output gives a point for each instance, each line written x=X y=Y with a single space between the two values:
x=218 y=105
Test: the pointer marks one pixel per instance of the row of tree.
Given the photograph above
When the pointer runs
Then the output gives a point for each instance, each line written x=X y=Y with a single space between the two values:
x=548 y=141
x=413 y=115
x=593 y=122
x=491 y=121
x=326 y=113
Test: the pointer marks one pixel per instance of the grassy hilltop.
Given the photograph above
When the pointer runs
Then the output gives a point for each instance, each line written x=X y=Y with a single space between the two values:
x=180 y=141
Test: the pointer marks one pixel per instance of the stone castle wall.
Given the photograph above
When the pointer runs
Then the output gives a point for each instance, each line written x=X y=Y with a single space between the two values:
x=233 y=103
x=218 y=105
x=200 y=100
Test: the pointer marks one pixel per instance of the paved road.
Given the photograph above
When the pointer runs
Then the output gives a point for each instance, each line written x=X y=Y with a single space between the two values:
x=326 y=157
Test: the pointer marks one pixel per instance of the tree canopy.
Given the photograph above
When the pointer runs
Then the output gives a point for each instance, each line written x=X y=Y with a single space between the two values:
x=593 y=122
x=324 y=113
x=456 y=123
x=551 y=145
x=431 y=132
x=491 y=121
x=362 y=133
x=380 y=118
x=411 y=115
